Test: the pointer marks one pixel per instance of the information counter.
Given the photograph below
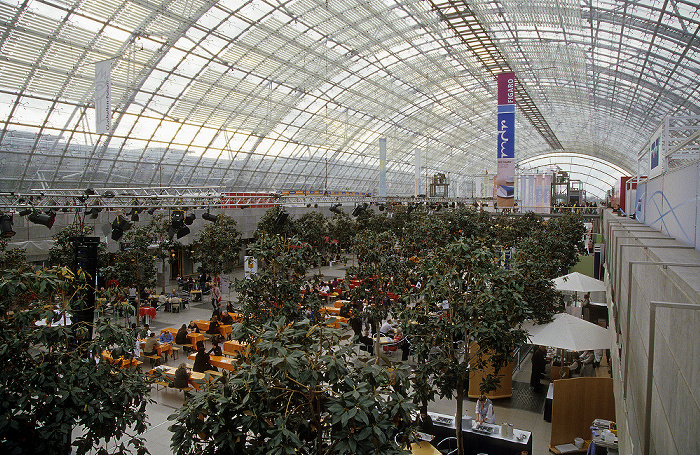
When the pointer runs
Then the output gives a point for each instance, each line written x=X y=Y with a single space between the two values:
x=488 y=440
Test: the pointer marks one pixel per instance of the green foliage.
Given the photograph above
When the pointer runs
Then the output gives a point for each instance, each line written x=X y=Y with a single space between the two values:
x=136 y=263
x=276 y=290
x=268 y=224
x=53 y=380
x=295 y=391
x=342 y=228
x=218 y=246
x=14 y=258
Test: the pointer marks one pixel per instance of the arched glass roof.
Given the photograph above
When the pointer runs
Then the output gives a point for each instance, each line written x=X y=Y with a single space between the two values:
x=264 y=95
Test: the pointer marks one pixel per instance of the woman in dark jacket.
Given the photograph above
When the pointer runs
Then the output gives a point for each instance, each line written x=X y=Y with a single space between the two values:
x=182 y=377
x=181 y=336
x=201 y=361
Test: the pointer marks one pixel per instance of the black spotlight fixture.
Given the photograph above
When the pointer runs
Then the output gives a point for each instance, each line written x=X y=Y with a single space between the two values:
x=6 y=230
x=189 y=219
x=335 y=208
x=183 y=231
x=245 y=206
x=45 y=219
x=209 y=217
x=134 y=214
x=119 y=226
x=93 y=212
x=25 y=212
x=356 y=211
x=152 y=210
x=381 y=207
x=281 y=218
x=177 y=219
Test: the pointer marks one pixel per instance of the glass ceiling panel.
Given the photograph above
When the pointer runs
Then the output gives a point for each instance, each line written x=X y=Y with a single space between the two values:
x=225 y=93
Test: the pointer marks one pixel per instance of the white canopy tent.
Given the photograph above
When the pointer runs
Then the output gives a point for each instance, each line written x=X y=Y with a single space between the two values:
x=578 y=282
x=570 y=333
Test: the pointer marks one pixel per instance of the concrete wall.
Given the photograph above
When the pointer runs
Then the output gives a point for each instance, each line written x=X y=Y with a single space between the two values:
x=670 y=203
x=675 y=386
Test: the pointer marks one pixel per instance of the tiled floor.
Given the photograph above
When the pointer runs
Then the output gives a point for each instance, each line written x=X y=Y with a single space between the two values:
x=524 y=410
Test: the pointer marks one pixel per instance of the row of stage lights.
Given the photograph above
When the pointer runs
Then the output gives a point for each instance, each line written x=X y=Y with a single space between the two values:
x=179 y=220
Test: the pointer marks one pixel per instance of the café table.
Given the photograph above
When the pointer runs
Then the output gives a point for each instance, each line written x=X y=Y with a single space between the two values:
x=161 y=348
x=232 y=347
x=337 y=321
x=120 y=361
x=196 y=295
x=195 y=338
x=340 y=302
x=195 y=380
x=224 y=329
x=218 y=361
x=147 y=311
x=329 y=310
x=423 y=448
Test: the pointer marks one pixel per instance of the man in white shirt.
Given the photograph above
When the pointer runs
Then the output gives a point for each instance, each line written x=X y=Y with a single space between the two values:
x=387 y=328
x=484 y=410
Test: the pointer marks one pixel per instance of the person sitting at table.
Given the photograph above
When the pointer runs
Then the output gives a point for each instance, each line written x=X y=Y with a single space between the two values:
x=215 y=348
x=229 y=307
x=387 y=329
x=367 y=343
x=166 y=337
x=217 y=310
x=213 y=326
x=226 y=318
x=151 y=343
x=424 y=421
x=192 y=327
x=181 y=336
x=182 y=377
x=145 y=332
x=201 y=361
x=402 y=343
x=484 y=410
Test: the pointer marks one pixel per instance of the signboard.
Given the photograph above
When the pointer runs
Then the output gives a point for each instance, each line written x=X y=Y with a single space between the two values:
x=505 y=155
x=250 y=266
x=225 y=285
x=103 y=96
x=656 y=162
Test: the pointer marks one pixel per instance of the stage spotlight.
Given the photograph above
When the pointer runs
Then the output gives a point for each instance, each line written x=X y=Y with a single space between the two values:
x=45 y=219
x=356 y=211
x=25 y=212
x=177 y=219
x=152 y=210
x=334 y=208
x=119 y=226
x=209 y=217
x=183 y=231
x=134 y=215
x=281 y=218
x=109 y=194
x=6 y=230
x=189 y=219
x=244 y=207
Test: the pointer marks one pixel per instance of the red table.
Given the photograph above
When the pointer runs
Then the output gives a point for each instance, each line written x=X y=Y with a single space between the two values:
x=147 y=311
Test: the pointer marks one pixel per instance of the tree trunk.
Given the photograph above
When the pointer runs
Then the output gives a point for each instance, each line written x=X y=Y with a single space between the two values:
x=458 y=416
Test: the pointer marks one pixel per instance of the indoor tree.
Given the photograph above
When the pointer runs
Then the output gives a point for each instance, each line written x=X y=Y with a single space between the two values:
x=480 y=326
x=296 y=391
x=53 y=380
x=280 y=287
x=218 y=246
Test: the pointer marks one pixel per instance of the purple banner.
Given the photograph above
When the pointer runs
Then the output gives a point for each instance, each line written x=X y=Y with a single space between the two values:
x=505 y=173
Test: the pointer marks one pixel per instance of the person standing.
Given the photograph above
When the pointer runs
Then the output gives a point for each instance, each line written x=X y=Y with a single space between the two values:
x=484 y=410
x=215 y=297
x=539 y=362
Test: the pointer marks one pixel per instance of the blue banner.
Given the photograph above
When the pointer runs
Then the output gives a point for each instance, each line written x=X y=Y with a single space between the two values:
x=506 y=131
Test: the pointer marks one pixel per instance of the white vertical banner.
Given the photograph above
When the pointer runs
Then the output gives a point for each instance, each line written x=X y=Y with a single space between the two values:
x=382 y=167
x=225 y=285
x=417 y=164
x=103 y=96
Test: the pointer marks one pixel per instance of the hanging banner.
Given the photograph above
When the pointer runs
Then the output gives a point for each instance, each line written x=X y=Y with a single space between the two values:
x=657 y=155
x=103 y=98
x=505 y=172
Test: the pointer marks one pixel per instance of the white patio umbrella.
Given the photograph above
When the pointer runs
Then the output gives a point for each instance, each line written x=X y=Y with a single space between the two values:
x=578 y=282
x=570 y=333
